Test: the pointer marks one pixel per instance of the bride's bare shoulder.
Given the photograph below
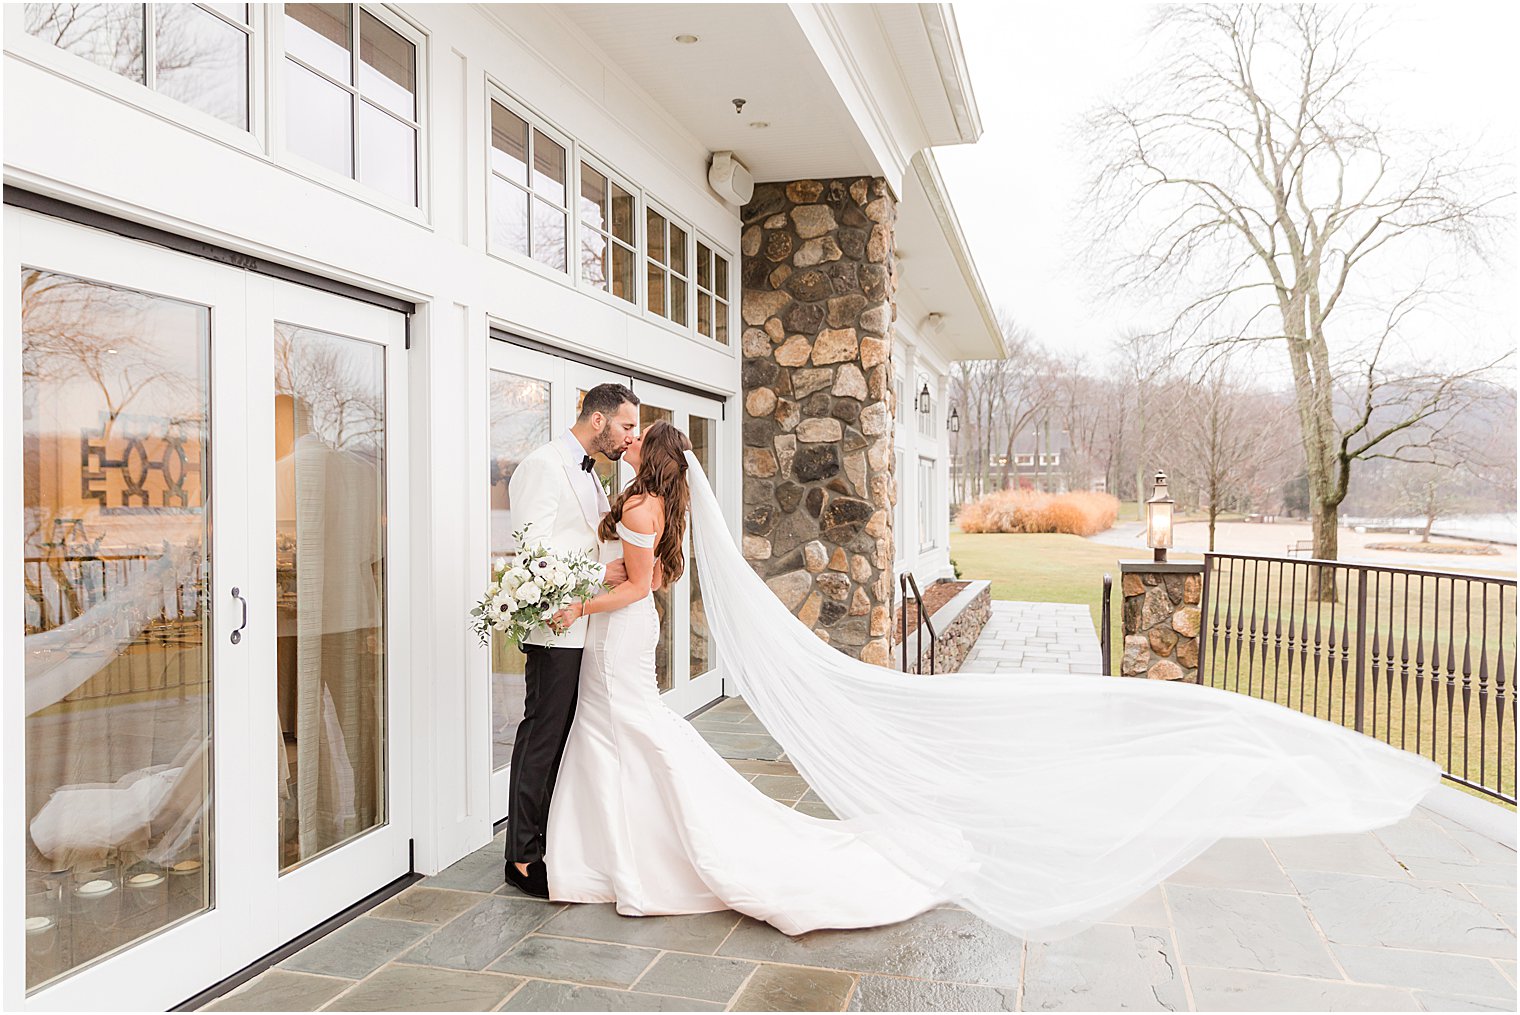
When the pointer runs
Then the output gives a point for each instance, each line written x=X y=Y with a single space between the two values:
x=644 y=512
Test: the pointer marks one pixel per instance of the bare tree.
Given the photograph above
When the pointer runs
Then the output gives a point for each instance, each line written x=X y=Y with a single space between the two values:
x=1144 y=361
x=1242 y=169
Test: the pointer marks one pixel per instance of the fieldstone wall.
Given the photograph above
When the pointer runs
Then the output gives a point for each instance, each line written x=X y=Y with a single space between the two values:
x=819 y=279
x=1161 y=620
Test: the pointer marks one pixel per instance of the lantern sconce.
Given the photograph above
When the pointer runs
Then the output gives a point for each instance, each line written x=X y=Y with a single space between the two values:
x=925 y=400
x=954 y=422
x=1158 y=519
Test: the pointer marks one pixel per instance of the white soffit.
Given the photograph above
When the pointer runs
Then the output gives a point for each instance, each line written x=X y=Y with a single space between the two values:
x=935 y=264
x=756 y=52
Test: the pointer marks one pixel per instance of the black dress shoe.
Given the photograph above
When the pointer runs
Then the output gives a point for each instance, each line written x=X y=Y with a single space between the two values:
x=534 y=883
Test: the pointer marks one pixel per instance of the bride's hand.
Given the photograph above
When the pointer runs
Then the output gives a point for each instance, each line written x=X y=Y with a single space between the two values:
x=569 y=615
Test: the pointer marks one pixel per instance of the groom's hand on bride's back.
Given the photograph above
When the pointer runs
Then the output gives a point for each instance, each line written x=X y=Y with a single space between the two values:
x=617 y=573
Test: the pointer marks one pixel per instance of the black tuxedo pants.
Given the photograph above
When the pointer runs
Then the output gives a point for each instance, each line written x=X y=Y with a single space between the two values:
x=552 y=678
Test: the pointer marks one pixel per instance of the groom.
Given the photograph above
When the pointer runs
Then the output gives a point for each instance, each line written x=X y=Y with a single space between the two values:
x=554 y=492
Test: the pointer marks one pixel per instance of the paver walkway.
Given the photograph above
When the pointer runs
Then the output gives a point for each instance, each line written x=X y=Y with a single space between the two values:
x=1036 y=638
x=1420 y=916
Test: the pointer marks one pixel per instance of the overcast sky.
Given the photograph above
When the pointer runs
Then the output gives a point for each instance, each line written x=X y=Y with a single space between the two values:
x=1036 y=67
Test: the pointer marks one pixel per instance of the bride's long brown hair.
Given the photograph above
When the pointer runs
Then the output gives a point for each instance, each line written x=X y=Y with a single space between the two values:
x=662 y=472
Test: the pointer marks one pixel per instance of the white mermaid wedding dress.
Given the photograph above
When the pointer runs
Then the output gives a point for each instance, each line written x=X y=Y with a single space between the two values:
x=1039 y=802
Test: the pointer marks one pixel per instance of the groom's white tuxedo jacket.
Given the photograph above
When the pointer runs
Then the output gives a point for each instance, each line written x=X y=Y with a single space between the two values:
x=562 y=505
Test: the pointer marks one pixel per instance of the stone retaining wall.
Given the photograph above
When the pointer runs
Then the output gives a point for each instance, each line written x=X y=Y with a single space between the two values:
x=958 y=624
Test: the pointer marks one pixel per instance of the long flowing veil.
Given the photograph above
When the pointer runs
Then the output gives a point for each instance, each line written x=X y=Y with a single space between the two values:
x=1039 y=802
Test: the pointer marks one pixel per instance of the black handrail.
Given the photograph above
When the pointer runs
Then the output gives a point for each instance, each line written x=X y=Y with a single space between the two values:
x=1105 y=637
x=923 y=620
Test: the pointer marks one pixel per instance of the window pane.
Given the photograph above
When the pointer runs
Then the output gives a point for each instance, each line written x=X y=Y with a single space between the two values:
x=657 y=289
x=704 y=313
x=110 y=35
x=387 y=154
x=548 y=168
x=387 y=66
x=594 y=258
x=623 y=268
x=509 y=144
x=678 y=300
x=549 y=236
x=720 y=276
x=720 y=321
x=115 y=625
x=654 y=232
x=237 y=12
x=677 y=249
x=519 y=424
x=318 y=119
x=704 y=270
x=320 y=34
x=201 y=61
x=593 y=197
x=622 y=214
x=701 y=434
x=329 y=564
x=509 y=216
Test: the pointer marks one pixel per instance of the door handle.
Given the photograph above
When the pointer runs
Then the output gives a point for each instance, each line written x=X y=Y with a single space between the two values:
x=237 y=635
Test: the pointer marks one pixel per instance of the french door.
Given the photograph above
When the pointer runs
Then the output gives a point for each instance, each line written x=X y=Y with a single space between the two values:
x=534 y=397
x=211 y=468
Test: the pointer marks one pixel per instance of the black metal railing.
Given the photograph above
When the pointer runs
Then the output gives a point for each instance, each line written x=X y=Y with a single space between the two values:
x=1422 y=660
x=1105 y=634
x=908 y=581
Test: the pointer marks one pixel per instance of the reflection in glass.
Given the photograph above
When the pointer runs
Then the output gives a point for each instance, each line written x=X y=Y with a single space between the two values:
x=677 y=249
x=109 y=35
x=115 y=622
x=622 y=214
x=319 y=119
x=519 y=424
x=329 y=469
x=664 y=651
x=202 y=61
x=656 y=289
x=701 y=433
x=549 y=235
x=387 y=66
x=387 y=154
x=509 y=216
x=548 y=168
x=320 y=35
x=623 y=260
x=509 y=144
x=720 y=306
x=677 y=299
x=606 y=236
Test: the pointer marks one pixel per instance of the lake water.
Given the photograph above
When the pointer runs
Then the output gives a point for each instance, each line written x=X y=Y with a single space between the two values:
x=1493 y=528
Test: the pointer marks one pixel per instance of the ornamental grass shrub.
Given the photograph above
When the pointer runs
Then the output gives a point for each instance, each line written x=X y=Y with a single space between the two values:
x=1078 y=514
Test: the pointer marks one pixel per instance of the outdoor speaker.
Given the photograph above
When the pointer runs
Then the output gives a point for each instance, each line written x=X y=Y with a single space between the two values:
x=730 y=179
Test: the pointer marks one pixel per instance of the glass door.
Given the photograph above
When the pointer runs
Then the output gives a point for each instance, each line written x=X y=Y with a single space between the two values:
x=127 y=448
x=208 y=570
x=329 y=632
x=685 y=669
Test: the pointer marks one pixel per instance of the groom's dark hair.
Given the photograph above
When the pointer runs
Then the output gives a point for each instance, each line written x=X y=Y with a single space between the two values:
x=606 y=399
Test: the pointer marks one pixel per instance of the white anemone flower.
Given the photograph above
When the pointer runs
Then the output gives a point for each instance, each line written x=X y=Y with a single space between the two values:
x=528 y=593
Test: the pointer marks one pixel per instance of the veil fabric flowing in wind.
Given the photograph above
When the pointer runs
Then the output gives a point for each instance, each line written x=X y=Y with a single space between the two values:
x=1041 y=803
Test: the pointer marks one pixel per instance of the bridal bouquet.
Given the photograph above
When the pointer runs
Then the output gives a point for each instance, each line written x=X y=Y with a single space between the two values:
x=526 y=593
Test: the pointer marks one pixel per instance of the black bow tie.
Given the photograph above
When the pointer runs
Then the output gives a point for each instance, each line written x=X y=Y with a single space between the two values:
x=587 y=463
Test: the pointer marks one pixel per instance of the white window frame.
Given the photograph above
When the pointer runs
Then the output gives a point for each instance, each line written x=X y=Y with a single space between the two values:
x=104 y=81
x=606 y=295
x=418 y=37
x=1020 y=461
x=718 y=251
x=926 y=504
x=689 y=329
x=1053 y=459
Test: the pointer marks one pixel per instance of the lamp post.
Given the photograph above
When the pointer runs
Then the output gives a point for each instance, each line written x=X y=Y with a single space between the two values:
x=1158 y=519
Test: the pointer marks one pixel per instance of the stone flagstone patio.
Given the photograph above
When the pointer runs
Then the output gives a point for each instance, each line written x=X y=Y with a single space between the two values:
x=1420 y=916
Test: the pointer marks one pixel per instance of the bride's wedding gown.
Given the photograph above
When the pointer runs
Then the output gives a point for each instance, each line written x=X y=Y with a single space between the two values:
x=1040 y=802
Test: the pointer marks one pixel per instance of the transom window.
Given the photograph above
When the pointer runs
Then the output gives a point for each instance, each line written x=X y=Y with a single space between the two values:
x=351 y=96
x=609 y=252
x=712 y=293
x=193 y=53
x=529 y=197
x=666 y=260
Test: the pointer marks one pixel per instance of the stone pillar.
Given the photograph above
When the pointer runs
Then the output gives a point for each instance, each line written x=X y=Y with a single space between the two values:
x=1161 y=619
x=819 y=279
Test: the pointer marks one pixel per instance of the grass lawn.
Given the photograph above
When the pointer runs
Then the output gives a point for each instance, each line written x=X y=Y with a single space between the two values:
x=1046 y=568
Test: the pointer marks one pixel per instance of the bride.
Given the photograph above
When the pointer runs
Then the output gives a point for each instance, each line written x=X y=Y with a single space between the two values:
x=1040 y=803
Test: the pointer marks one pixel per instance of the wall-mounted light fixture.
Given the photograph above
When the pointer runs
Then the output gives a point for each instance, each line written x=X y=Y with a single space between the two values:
x=954 y=422
x=925 y=400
